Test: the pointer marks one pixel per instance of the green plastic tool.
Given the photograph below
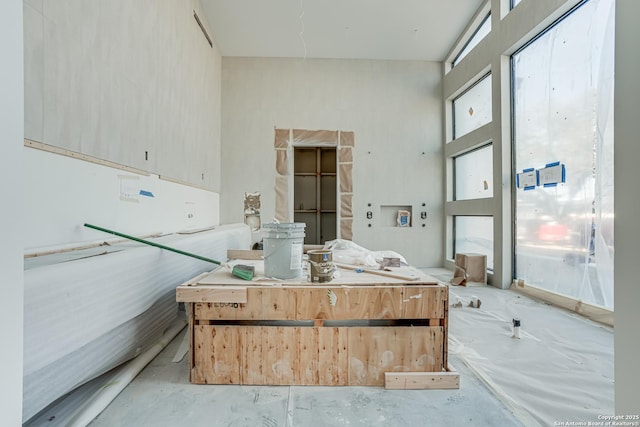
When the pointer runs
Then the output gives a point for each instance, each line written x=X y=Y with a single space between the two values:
x=244 y=272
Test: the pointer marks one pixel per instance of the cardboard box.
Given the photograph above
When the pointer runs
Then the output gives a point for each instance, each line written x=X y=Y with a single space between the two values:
x=470 y=269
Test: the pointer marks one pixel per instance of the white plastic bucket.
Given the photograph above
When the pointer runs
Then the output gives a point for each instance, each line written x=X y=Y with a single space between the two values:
x=283 y=247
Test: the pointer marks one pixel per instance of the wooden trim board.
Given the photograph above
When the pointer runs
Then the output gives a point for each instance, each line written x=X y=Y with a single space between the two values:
x=595 y=313
x=377 y=272
x=422 y=380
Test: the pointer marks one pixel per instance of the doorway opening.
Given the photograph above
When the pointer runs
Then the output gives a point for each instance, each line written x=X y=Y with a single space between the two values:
x=315 y=192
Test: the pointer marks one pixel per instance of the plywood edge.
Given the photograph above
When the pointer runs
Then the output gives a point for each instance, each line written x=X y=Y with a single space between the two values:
x=595 y=313
x=421 y=380
x=378 y=272
x=214 y=294
x=244 y=254
x=194 y=281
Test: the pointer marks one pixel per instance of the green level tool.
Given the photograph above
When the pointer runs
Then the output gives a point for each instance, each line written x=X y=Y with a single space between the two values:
x=244 y=272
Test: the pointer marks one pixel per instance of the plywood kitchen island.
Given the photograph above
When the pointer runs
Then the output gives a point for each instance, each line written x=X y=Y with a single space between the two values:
x=355 y=330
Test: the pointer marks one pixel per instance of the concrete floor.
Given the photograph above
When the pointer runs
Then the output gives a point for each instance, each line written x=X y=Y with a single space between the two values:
x=561 y=370
x=162 y=396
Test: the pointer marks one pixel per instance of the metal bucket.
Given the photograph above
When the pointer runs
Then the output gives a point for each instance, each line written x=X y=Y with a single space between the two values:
x=283 y=246
x=321 y=266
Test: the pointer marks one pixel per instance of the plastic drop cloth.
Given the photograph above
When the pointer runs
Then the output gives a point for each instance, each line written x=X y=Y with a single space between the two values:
x=563 y=102
x=347 y=252
x=561 y=369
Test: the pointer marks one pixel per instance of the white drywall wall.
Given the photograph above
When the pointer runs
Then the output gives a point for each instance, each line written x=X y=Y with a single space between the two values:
x=62 y=193
x=113 y=80
x=627 y=209
x=134 y=82
x=11 y=285
x=394 y=110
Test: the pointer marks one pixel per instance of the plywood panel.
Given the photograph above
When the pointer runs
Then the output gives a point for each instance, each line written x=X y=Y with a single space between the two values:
x=308 y=344
x=375 y=303
x=349 y=303
x=424 y=303
x=279 y=351
x=262 y=304
x=421 y=380
x=217 y=355
x=333 y=356
x=252 y=359
x=376 y=350
x=320 y=303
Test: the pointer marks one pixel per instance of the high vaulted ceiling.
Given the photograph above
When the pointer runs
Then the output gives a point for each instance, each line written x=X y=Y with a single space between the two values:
x=358 y=29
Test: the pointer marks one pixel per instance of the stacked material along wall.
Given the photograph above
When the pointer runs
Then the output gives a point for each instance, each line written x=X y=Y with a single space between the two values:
x=87 y=315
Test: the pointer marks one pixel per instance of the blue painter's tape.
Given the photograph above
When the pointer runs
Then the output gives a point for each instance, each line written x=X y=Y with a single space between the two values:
x=527 y=170
x=146 y=193
x=529 y=188
x=517 y=180
x=552 y=184
x=548 y=165
x=564 y=174
x=537 y=178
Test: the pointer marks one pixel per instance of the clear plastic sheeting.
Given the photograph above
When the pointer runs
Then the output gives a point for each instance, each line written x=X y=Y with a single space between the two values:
x=560 y=369
x=347 y=252
x=563 y=100
x=86 y=316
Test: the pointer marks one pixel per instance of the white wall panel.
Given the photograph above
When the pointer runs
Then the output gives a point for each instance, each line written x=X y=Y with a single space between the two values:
x=119 y=79
x=62 y=193
x=394 y=109
x=12 y=283
x=627 y=209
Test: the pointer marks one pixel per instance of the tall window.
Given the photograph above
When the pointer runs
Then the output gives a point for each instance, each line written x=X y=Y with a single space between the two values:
x=472 y=109
x=474 y=174
x=474 y=234
x=563 y=112
x=478 y=35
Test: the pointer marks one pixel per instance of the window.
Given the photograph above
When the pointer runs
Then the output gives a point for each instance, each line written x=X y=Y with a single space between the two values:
x=474 y=234
x=472 y=109
x=478 y=35
x=514 y=3
x=474 y=174
x=563 y=112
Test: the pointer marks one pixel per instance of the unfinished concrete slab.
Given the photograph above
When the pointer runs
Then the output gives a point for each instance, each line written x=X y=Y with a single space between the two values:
x=162 y=395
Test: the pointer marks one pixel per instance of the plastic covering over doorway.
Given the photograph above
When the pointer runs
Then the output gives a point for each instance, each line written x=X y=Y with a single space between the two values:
x=563 y=112
x=285 y=141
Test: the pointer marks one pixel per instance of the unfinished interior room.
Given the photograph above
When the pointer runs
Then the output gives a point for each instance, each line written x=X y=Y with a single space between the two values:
x=319 y=213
